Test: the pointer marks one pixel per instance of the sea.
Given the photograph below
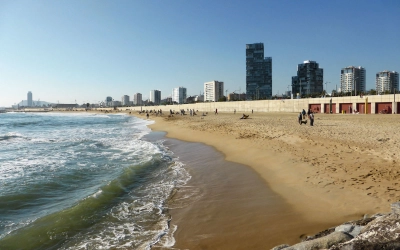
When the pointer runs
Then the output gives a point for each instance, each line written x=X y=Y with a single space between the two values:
x=85 y=181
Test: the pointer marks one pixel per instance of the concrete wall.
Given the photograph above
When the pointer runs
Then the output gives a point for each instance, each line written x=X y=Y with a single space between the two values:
x=285 y=105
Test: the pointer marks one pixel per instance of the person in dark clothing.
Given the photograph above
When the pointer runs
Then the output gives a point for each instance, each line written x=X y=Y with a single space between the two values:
x=304 y=114
x=300 y=117
x=311 y=119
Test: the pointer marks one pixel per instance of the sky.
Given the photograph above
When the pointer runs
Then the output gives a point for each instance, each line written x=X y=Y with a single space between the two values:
x=71 y=51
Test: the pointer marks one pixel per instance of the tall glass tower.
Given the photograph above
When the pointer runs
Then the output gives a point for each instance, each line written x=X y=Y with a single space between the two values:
x=309 y=79
x=258 y=73
x=29 y=98
x=155 y=96
x=179 y=95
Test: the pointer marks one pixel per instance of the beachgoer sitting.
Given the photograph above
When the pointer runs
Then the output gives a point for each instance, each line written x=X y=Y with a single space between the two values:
x=244 y=116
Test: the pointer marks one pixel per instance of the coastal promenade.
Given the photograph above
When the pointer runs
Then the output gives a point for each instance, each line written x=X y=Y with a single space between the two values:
x=373 y=104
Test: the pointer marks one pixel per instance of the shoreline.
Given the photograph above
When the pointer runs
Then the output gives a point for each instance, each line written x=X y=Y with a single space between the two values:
x=341 y=169
x=232 y=206
x=285 y=161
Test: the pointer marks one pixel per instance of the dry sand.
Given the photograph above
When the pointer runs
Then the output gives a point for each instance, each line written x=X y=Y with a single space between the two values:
x=342 y=168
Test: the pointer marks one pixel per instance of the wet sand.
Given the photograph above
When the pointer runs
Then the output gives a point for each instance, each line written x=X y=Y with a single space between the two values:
x=227 y=205
x=234 y=206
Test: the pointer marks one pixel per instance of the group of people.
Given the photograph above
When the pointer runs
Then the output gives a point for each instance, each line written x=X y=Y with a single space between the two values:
x=192 y=112
x=303 y=116
x=156 y=112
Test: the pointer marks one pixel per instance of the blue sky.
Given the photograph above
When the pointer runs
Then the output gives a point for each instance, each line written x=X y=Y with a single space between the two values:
x=71 y=50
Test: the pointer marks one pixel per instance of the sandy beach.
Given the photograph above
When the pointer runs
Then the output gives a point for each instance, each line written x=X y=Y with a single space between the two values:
x=342 y=168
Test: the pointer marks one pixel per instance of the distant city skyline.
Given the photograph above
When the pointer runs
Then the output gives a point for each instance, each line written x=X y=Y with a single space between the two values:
x=79 y=52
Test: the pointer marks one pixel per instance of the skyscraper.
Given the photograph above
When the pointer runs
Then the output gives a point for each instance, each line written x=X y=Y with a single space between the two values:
x=125 y=100
x=258 y=73
x=352 y=79
x=387 y=81
x=179 y=95
x=213 y=91
x=155 y=97
x=309 y=79
x=29 y=98
x=137 y=99
x=109 y=101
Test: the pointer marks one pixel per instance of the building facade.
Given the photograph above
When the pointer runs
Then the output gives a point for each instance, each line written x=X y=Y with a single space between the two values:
x=236 y=97
x=309 y=79
x=199 y=98
x=29 y=99
x=258 y=73
x=115 y=103
x=179 y=95
x=125 y=100
x=155 y=97
x=352 y=79
x=167 y=100
x=387 y=82
x=137 y=99
x=213 y=91
x=108 y=101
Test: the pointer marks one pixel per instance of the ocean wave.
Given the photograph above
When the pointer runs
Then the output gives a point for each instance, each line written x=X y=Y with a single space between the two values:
x=10 y=136
x=88 y=182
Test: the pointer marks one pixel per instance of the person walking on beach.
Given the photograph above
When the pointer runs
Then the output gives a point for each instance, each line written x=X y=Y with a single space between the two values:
x=311 y=119
x=216 y=111
x=304 y=114
x=147 y=115
x=300 y=117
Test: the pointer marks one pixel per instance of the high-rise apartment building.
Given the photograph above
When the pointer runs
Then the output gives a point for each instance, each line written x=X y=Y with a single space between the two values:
x=387 y=81
x=29 y=99
x=258 y=73
x=155 y=97
x=109 y=101
x=137 y=99
x=213 y=91
x=179 y=95
x=125 y=100
x=352 y=79
x=309 y=79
